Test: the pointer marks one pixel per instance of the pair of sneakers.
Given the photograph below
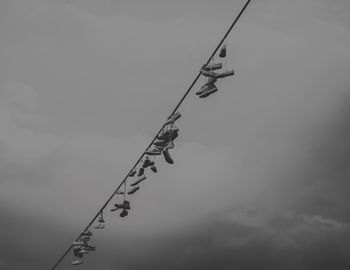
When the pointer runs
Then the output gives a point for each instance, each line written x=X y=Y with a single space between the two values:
x=125 y=206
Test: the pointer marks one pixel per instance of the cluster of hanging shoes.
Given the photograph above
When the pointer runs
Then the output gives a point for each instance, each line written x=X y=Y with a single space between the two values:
x=82 y=247
x=160 y=146
x=209 y=71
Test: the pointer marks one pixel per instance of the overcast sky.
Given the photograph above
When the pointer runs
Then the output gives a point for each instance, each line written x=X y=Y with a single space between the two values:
x=261 y=174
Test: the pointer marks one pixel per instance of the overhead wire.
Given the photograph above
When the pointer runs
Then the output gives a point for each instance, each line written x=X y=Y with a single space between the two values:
x=151 y=143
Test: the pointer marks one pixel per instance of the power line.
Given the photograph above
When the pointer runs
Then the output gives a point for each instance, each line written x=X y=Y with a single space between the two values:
x=150 y=144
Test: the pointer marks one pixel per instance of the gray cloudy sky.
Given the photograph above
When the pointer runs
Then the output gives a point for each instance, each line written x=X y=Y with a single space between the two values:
x=261 y=175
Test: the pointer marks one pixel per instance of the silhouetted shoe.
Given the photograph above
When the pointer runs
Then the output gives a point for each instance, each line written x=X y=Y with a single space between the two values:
x=77 y=262
x=124 y=205
x=205 y=86
x=76 y=252
x=209 y=74
x=162 y=144
x=174 y=135
x=154 y=169
x=133 y=172
x=164 y=135
x=222 y=53
x=133 y=190
x=146 y=163
x=210 y=90
x=167 y=157
x=153 y=152
x=225 y=74
x=141 y=172
x=211 y=67
x=124 y=213
x=139 y=180
x=114 y=209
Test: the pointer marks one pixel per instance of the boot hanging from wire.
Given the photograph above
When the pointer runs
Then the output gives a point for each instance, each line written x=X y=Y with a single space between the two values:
x=210 y=87
x=222 y=53
x=100 y=222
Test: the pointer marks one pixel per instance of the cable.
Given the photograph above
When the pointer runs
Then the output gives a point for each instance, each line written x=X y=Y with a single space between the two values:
x=142 y=155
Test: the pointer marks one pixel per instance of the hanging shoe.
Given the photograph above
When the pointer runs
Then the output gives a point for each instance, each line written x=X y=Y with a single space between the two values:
x=225 y=74
x=124 y=213
x=141 y=172
x=209 y=74
x=162 y=144
x=205 y=86
x=77 y=262
x=172 y=118
x=124 y=205
x=133 y=190
x=167 y=157
x=115 y=209
x=210 y=90
x=164 y=135
x=133 y=172
x=211 y=67
x=174 y=135
x=76 y=252
x=100 y=219
x=154 y=169
x=153 y=152
x=146 y=163
x=222 y=53
x=139 y=180
x=201 y=90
